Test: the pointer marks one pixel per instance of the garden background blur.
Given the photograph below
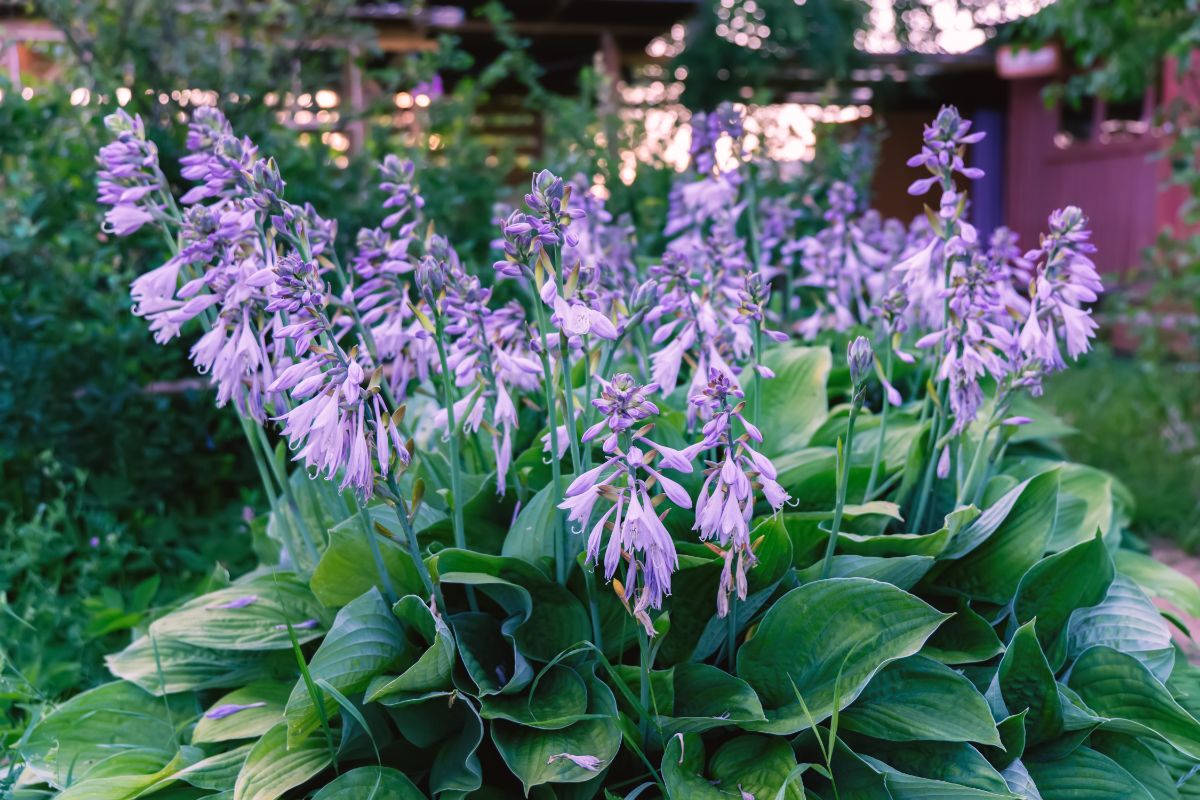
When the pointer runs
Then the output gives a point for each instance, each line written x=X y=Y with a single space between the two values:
x=121 y=487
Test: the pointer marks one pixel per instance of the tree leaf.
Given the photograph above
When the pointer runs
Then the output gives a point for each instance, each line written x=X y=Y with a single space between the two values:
x=916 y=698
x=862 y=626
x=272 y=768
x=364 y=640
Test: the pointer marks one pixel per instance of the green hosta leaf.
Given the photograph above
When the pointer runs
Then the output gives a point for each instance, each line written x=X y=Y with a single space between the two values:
x=558 y=699
x=272 y=768
x=949 y=762
x=796 y=396
x=249 y=615
x=1139 y=761
x=1119 y=687
x=1020 y=782
x=179 y=667
x=432 y=670
x=552 y=619
x=301 y=529
x=708 y=697
x=452 y=726
x=994 y=552
x=862 y=626
x=760 y=765
x=683 y=771
x=904 y=786
x=90 y=727
x=965 y=638
x=1085 y=775
x=121 y=787
x=536 y=756
x=1090 y=500
x=533 y=532
x=900 y=571
x=1127 y=621
x=370 y=783
x=364 y=640
x=1012 y=741
x=488 y=654
x=809 y=474
x=1055 y=587
x=895 y=544
x=916 y=698
x=251 y=722
x=1026 y=682
x=1159 y=580
x=347 y=567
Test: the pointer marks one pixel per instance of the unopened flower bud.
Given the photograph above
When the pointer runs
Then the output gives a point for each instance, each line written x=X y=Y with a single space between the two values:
x=861 y=357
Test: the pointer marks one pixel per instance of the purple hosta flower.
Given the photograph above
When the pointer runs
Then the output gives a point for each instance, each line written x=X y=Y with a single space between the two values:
x=693 y=206
x=725 y=504
x=843 y=270
x=1064 y=280
x=238 y=602
x=403 y=196
x=550 y=201
x=577 y=314
x=707 y=129
x=969 y=349
x=942 y=154
x=590 y=763
x=625 y=481
x=861 y=357
x=305 y=625
x=229 y=709
x=217 y=160
x=603 y=246
x=753 y=298
x=432 y=88
x=129 y=178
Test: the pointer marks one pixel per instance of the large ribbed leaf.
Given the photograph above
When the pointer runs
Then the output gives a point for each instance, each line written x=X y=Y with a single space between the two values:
x=538 y=756
x=904 y=786
x=917 y=698
x=92 y=726
x=796 y=396
x=365 y=639
x=1085 y=775
x=272 y=768
x=370 y=783
x=1121 y=688
x=168 y=666
x=1138 y=760
x=347 y=567
x=708 y=697
x=947 y=762
x=1056 y=586
x=261 y=705
x=1008 y=538
x=1026 y=682
x=826 y=640
x=250 y=615
x=1127 y=621
x=1159 y=580
x=433 y=667
x=762 y=766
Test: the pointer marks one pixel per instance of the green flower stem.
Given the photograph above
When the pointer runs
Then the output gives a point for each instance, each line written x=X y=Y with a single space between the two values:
x=414 y=547
x=731 y=631
x=877 y=459
x=385 y=580
x=560 y=543
x=460 y=534
x=757 y=377
x=936 y=429
x=644 y=664
x=752 y=215
x=843 y=481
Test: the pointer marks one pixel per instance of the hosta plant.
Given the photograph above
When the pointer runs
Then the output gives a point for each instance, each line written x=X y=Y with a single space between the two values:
x=758 y=516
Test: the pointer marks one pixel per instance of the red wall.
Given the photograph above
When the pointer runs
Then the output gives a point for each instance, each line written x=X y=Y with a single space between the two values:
x=1116 y=184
